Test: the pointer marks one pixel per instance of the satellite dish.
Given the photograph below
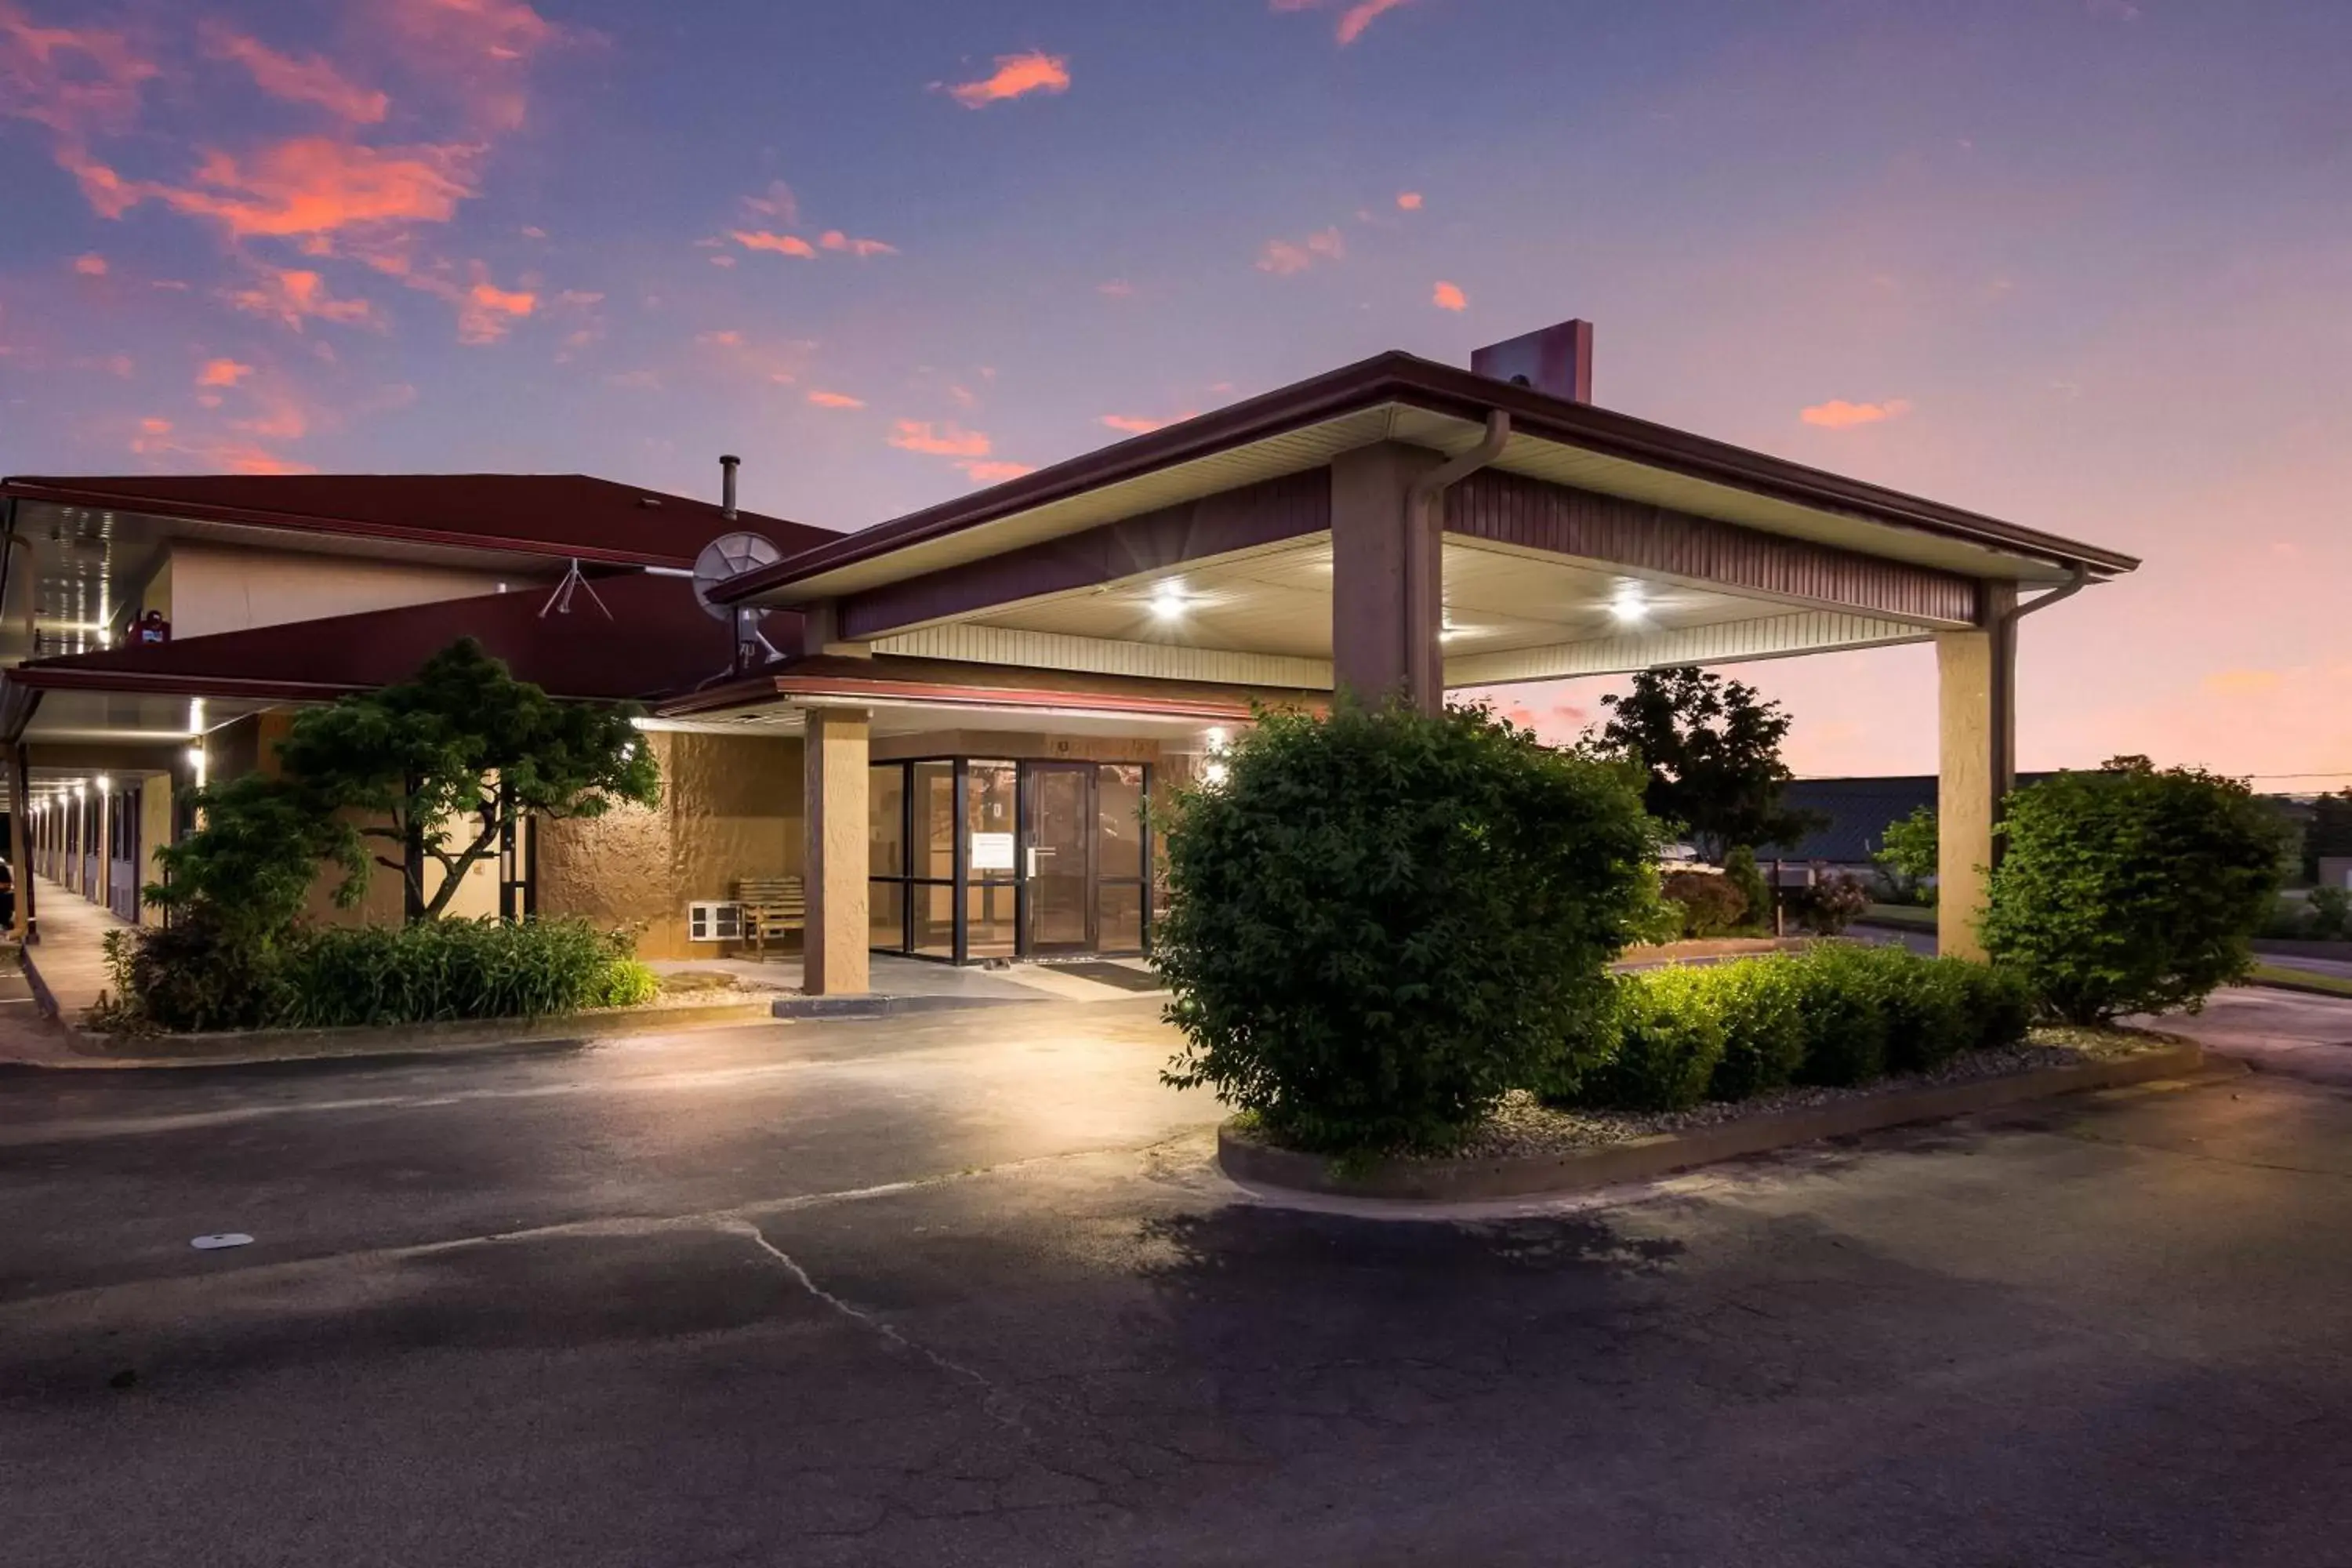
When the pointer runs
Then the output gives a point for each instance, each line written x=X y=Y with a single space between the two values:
x=730 y=555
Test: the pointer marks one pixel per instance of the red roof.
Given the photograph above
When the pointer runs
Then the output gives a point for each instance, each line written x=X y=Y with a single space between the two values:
x=539 y=514
x=658 y=640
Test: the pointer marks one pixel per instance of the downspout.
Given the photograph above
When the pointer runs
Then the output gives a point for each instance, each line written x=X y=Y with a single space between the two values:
x=1424 y=564
x=2004 y=634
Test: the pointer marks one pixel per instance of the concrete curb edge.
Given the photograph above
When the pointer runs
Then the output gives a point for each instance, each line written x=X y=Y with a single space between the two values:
x=1248 y=1161
x=246 y=1046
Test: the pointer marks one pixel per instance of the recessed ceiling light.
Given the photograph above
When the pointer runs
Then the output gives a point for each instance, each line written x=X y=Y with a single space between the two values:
x=1631 y=604
x=1169 y=601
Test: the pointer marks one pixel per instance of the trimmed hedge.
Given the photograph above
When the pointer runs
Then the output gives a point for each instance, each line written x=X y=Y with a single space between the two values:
x=187 y=978
x=1836 y=1015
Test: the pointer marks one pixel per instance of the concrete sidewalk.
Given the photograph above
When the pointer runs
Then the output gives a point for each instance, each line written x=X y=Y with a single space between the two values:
x=68 y=965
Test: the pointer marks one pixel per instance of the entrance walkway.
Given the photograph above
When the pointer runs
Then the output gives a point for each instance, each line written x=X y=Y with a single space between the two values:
x=891 y=975
x=69 y=960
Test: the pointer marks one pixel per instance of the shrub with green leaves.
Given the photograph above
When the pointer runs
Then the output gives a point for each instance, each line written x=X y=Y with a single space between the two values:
x=2131 y=889
x=448 y=968
x=1838 y=1014
x=1832 y=902
x=1382 y=922
x=1761 y=1002
x=1740 y=869
x=1711 y=904
x=1668 y=1029
x=1843 y=992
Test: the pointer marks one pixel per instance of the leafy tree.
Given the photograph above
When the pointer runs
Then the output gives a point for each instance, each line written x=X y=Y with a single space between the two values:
x=450 y=757
x=1740 y=869
x=2130 y=889
x=247 y=872
x=1711 y=747
x=1381 y=921
x=2330 y=832
x=1908 y=855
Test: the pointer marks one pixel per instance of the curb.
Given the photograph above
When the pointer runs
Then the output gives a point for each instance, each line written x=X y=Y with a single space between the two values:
x=242 y=1046
x=1643 y=1159
x=43 y=997
x=851 y=1008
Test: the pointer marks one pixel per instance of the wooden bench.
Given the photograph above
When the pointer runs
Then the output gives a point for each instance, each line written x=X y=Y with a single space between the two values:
x=772 y=907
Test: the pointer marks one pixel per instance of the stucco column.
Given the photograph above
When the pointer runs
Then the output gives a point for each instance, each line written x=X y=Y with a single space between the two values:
x=20 y=859
x=1387 y=587
x=1977 y=674
x=834 y=755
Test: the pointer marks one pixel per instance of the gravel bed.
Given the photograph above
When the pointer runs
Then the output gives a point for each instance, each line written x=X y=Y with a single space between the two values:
x=1524 y=1125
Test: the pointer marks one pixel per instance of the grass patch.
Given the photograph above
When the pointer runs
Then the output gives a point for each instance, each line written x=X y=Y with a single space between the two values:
x=1904 y=916
x=2280 y=977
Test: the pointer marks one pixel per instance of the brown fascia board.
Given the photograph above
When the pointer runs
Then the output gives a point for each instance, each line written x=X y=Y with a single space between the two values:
x=51 y=678
x=208 y=511
x=851 y=688
x=1399 y=377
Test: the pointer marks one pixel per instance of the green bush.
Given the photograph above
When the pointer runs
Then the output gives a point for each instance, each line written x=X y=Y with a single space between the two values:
x=1381 y=921
x=1761 y=1002
x=1669 y=1037
x=189 y=977
x=1710 y=903
x=454 y=969
x=2130 y=889
x=1836 y=1015
x=1740 y=869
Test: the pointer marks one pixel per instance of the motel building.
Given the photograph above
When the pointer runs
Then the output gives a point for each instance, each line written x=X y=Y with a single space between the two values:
x=948 y=726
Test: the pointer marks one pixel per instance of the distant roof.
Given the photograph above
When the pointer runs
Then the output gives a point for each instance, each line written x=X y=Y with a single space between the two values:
x=658 y=640
x=574 y=515
x=1859 y=810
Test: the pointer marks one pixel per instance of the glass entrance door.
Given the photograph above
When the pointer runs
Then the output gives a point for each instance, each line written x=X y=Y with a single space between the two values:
x=1060 y=869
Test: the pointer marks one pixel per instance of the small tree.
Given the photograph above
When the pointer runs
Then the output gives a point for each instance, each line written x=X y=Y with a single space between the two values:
x=1381 y=921
x=452 y=757
x=2330 y=832
x=1711 y=747
x=1907 y=854
x=2130 y=889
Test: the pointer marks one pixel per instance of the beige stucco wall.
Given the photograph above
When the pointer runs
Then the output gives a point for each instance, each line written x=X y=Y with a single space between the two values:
x=730 y=809
x=154 y=832
x=207 y=588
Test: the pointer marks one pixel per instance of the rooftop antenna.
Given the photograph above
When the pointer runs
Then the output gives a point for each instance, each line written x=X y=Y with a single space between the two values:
x=573 y=582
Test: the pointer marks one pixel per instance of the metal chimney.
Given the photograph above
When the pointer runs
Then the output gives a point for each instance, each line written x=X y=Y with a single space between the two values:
x=1557 y=360
x=728 y=464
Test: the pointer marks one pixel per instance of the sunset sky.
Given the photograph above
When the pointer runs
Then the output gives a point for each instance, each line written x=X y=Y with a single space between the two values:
x=2085 y=264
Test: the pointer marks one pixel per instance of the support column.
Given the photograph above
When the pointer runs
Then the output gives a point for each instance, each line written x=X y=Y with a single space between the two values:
x=834 y=753
x=20 y=843
x=1387 y=597
x=1977 y=674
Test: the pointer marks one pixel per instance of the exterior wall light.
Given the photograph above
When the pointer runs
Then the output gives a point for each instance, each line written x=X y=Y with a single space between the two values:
x=1169 y=601
x=1214 y=773
x=1218 y=740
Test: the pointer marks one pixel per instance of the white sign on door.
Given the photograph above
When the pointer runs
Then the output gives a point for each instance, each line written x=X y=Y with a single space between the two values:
x=991 y=851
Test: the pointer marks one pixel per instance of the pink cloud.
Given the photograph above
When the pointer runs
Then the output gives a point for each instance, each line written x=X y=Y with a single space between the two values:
x=316 y=185
x=1116 y=289
x=222 y=373
x=1838 y=415
x=77 y=83
x=485 y=311
x=995 y=472
x=90 y=266
x=1353 y=20
x=835 y=400
x=154 y=426
x=726 y=340
x=944 y=440
x=1449 y=297
x=1016 y=75
x=1409 y=200
x=1282 y=257
x=293 y=294
x=834 y=239
x=776 y=202
x=782 y=244
x=473 y=53
x=312 y=81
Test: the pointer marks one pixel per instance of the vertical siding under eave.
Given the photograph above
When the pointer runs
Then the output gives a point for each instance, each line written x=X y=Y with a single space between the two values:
x=1511 y=509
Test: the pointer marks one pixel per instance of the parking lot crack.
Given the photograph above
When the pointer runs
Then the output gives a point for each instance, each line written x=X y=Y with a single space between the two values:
x=999 y=1406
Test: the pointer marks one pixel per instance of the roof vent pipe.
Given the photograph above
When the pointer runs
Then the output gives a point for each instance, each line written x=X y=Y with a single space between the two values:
x=728 y=464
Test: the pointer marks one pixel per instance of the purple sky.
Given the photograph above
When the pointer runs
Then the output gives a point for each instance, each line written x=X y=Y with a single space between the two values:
x=2083 y=263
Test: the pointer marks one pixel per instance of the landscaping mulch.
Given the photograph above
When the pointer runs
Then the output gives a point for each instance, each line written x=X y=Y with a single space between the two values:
x=1523 y=1125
